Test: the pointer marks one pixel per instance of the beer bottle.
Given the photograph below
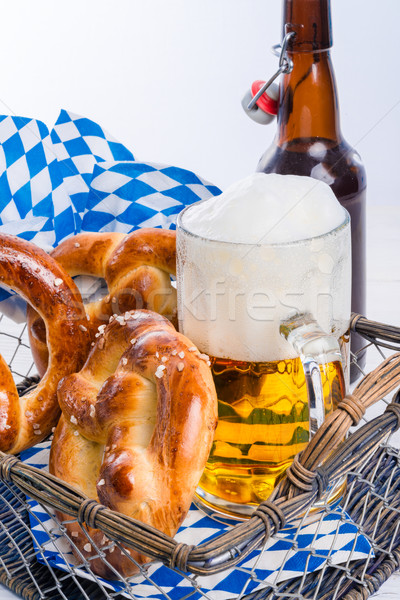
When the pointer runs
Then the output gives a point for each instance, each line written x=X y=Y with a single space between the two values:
x=309 y=140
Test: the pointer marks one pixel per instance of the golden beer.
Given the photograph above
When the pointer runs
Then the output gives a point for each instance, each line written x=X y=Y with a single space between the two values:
x=263 y=422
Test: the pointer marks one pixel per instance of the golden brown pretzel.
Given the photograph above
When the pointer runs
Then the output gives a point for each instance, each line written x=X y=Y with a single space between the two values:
x=28 y=270
x=137 y=427
x=136 y=268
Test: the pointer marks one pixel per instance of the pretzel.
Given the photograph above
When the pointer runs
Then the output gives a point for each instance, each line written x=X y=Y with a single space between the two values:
x=136 y=268
x=137 y=427
x=29 y=271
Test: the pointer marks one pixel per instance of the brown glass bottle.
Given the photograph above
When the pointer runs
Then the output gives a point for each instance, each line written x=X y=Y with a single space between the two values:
x=309 y=140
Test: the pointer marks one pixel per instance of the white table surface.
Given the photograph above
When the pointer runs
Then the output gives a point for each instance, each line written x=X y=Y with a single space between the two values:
x=383 y=276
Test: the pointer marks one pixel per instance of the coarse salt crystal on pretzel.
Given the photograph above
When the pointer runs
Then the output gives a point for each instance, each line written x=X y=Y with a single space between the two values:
x=135 y=267
x=41 y=281
x=140 y=442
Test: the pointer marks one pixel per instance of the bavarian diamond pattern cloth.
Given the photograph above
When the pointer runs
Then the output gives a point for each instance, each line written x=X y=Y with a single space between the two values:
x=31 y=184
x=79 y=145
x=79 y=178
x=334 y=539
x=122 y=193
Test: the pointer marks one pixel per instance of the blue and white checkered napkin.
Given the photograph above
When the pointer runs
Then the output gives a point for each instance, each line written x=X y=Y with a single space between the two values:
x=78 y=178
x=292 y=552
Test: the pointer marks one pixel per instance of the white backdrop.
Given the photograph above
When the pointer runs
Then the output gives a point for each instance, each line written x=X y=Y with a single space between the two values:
x=166 y=76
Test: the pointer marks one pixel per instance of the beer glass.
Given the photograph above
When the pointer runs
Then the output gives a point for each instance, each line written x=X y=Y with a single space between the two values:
x=274 y=319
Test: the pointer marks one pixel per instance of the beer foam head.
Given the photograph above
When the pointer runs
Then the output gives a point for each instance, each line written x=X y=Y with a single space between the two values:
x=295 y=259
x=267 y=209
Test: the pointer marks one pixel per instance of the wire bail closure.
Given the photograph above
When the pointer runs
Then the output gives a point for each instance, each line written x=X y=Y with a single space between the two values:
x=285 y=66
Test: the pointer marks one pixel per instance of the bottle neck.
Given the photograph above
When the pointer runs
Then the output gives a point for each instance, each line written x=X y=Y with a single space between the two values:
x=308 y=103
x=310 y=20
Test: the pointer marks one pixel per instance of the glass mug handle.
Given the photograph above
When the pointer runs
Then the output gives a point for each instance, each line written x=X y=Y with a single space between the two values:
x=315 y=348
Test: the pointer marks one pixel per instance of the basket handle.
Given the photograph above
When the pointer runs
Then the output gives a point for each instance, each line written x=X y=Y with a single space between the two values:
x=375 y=332
x=372 y=388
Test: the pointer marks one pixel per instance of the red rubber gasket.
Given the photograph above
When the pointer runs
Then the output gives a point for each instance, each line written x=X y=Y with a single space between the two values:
x=266 y=103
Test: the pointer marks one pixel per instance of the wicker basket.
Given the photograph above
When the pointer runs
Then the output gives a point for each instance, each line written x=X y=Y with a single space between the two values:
x=372 y=499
